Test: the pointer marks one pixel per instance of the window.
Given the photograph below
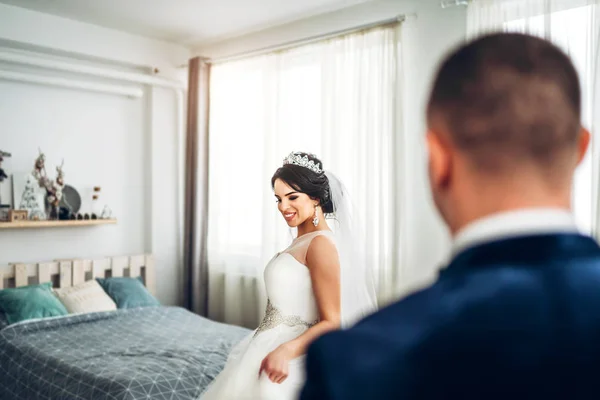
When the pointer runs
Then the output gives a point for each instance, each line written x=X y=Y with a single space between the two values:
x=335 y=98
x=573 y=29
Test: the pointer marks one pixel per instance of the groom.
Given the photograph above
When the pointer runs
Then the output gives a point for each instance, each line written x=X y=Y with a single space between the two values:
x=516 y=314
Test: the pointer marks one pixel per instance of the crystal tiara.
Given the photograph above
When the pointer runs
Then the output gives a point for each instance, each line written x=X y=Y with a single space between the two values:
x=297 y=159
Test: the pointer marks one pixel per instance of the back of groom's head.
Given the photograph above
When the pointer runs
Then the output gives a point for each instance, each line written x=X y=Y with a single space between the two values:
x=508 y=93
x=502 y=105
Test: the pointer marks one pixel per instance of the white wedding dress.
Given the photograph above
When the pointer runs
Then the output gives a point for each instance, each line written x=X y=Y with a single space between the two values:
x=291 y=310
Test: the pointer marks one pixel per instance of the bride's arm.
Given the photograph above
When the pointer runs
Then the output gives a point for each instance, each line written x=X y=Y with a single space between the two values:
x=324 y=266
x=323 y=263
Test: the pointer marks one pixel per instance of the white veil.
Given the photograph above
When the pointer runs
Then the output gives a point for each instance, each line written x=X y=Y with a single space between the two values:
x=358 y=294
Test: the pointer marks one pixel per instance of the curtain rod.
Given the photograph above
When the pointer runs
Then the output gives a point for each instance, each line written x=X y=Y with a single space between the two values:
x=454 y=3
x=307 y=40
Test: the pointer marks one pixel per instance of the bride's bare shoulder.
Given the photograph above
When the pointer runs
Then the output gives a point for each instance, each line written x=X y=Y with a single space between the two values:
x=321 y=251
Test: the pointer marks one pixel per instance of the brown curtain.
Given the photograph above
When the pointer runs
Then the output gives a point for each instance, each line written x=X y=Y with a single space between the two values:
x=196 y=188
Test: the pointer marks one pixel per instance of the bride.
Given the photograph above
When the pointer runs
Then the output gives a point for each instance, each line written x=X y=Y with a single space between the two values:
x=316 y=285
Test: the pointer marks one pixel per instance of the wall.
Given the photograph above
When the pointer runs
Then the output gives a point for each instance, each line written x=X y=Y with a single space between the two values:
x=426 y=40
x=129 y=147
x=50 y=33
x=427 y=34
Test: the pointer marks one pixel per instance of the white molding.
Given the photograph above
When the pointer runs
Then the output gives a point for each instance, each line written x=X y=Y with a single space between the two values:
x=59 y=65
x=128 y=91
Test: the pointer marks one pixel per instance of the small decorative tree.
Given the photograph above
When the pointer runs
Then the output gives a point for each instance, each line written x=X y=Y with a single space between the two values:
x=30 y=203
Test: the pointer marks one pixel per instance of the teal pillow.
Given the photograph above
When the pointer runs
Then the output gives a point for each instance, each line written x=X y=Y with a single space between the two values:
x=3 y=321
x=29 y=302
x=128 y=292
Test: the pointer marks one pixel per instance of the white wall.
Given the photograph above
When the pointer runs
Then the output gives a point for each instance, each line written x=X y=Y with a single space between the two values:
x=129 y=147
x=51 y=33
x=427 y=34
x=427 y=39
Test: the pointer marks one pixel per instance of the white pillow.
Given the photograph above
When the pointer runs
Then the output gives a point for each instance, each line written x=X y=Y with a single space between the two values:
x=85 y=297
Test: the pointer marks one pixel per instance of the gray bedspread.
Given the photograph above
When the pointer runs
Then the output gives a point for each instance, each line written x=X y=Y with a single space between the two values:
x=143 y=353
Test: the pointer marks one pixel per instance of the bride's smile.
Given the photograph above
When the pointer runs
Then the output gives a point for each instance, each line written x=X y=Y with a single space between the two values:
x=289 y=216
x=298 y=209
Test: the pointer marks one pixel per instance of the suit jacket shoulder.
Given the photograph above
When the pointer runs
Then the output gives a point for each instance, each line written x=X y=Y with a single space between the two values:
x=520 y=308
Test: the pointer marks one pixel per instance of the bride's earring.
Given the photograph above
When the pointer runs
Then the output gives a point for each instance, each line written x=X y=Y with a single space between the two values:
x=316 y=218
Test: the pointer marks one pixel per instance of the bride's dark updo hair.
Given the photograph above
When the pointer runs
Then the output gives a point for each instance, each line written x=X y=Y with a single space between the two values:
x=304 y=180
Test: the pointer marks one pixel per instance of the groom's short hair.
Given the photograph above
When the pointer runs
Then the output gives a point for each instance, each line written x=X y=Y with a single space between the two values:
x=507 y=98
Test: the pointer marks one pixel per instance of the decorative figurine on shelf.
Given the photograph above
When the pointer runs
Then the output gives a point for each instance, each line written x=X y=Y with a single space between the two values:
x=17 y=215
x=106 y=213
x=53 y=188
x=30 y=202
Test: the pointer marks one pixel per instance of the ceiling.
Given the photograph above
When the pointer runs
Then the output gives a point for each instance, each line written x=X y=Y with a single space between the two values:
x=188 y=22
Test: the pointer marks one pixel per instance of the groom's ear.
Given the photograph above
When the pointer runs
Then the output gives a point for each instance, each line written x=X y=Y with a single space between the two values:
x=440 y=160
x=583 y=144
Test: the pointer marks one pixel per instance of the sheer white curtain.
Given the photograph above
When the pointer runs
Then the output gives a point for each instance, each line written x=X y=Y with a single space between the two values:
x=335 y=98
x=574 y=25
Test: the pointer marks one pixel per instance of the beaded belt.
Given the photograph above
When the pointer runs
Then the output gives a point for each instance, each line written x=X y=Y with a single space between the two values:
x=274 y=317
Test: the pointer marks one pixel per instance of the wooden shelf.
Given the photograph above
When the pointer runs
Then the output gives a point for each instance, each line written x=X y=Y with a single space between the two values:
x=54 y=224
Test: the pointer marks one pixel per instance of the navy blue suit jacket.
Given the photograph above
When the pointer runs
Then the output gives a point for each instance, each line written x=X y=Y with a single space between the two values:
x=512 y=319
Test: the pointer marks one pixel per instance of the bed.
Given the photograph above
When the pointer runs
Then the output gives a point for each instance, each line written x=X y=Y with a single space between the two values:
x=137 y=353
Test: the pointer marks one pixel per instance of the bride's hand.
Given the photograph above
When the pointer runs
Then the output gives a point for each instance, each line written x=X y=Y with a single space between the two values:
x=275 y=364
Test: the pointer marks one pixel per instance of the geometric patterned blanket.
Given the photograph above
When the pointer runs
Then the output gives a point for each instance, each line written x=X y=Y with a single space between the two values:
x=129 y=354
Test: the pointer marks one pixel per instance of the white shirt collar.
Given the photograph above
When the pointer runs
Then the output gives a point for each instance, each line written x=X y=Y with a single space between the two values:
x=514 y=223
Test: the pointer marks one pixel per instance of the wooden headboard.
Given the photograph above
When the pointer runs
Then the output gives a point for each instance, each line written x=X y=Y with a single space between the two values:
x=70 y=272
